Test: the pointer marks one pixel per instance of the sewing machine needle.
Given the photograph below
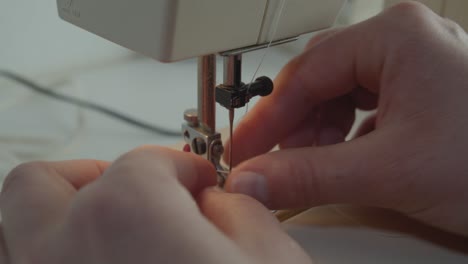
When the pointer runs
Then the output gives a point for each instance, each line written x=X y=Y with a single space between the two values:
x=231 y=146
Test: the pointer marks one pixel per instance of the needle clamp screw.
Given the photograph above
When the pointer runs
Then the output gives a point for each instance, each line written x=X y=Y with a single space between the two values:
x=237 y=97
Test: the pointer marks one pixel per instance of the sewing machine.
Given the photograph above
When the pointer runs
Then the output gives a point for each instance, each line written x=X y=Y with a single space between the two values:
x=171 y=30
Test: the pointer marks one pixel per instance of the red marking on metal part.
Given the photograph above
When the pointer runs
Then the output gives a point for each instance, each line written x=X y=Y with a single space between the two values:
x=187 y=148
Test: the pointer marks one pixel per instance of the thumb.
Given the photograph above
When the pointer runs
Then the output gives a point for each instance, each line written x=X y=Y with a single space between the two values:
x=360 y=172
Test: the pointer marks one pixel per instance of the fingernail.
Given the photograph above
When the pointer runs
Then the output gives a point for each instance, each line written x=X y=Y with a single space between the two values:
x=330 y=136
x=251 y=184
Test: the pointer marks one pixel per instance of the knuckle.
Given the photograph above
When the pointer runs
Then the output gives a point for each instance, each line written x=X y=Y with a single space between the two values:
x=412 y=17
x=409 y=9
x=136 y=153
x=22 y=174
x=455 y=30
x=413 y=29
x=144 y=154
x=146 y=150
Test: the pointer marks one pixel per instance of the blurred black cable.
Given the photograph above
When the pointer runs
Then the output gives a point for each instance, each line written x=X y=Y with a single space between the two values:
x=87 y=105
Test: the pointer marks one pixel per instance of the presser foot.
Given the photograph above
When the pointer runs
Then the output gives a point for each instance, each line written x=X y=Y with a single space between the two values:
x=205 y=144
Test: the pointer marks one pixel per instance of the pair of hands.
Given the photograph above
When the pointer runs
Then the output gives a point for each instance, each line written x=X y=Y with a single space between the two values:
x=154 y=206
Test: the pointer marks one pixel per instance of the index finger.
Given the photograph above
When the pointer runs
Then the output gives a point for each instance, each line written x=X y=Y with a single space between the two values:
x=320 y=73
x=353 y=57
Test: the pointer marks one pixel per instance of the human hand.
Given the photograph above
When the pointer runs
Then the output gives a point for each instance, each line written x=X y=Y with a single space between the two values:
x=140 y=209
x=412 y=67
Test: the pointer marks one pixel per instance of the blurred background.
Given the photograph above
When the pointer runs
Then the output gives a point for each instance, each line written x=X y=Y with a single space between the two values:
x=36 y=44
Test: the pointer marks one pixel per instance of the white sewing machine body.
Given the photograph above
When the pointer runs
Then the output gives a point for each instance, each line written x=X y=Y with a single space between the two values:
x=170 y=30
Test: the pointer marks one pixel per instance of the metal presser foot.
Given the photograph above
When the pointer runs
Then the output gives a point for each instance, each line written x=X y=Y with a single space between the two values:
x=199 y=130
x=204 y=143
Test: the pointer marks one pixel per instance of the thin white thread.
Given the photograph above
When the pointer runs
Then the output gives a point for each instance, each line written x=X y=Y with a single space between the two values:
x=273 y=32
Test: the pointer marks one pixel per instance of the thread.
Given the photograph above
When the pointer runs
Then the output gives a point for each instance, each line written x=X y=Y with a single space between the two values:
x=272 y=34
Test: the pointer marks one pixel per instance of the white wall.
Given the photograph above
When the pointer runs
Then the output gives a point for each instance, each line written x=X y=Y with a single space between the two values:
x=34 y=41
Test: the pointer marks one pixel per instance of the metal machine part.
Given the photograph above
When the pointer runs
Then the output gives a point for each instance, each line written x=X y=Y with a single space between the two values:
x=236 y=97
x=203 y=143
x=206 y=93
x=233 y=93
x=200 y=128
x=199 y=131
x=232 y=78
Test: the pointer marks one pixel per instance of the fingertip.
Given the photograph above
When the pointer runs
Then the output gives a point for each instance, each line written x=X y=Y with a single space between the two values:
x=290 y=178
x=249 y=183
x=264 y=178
